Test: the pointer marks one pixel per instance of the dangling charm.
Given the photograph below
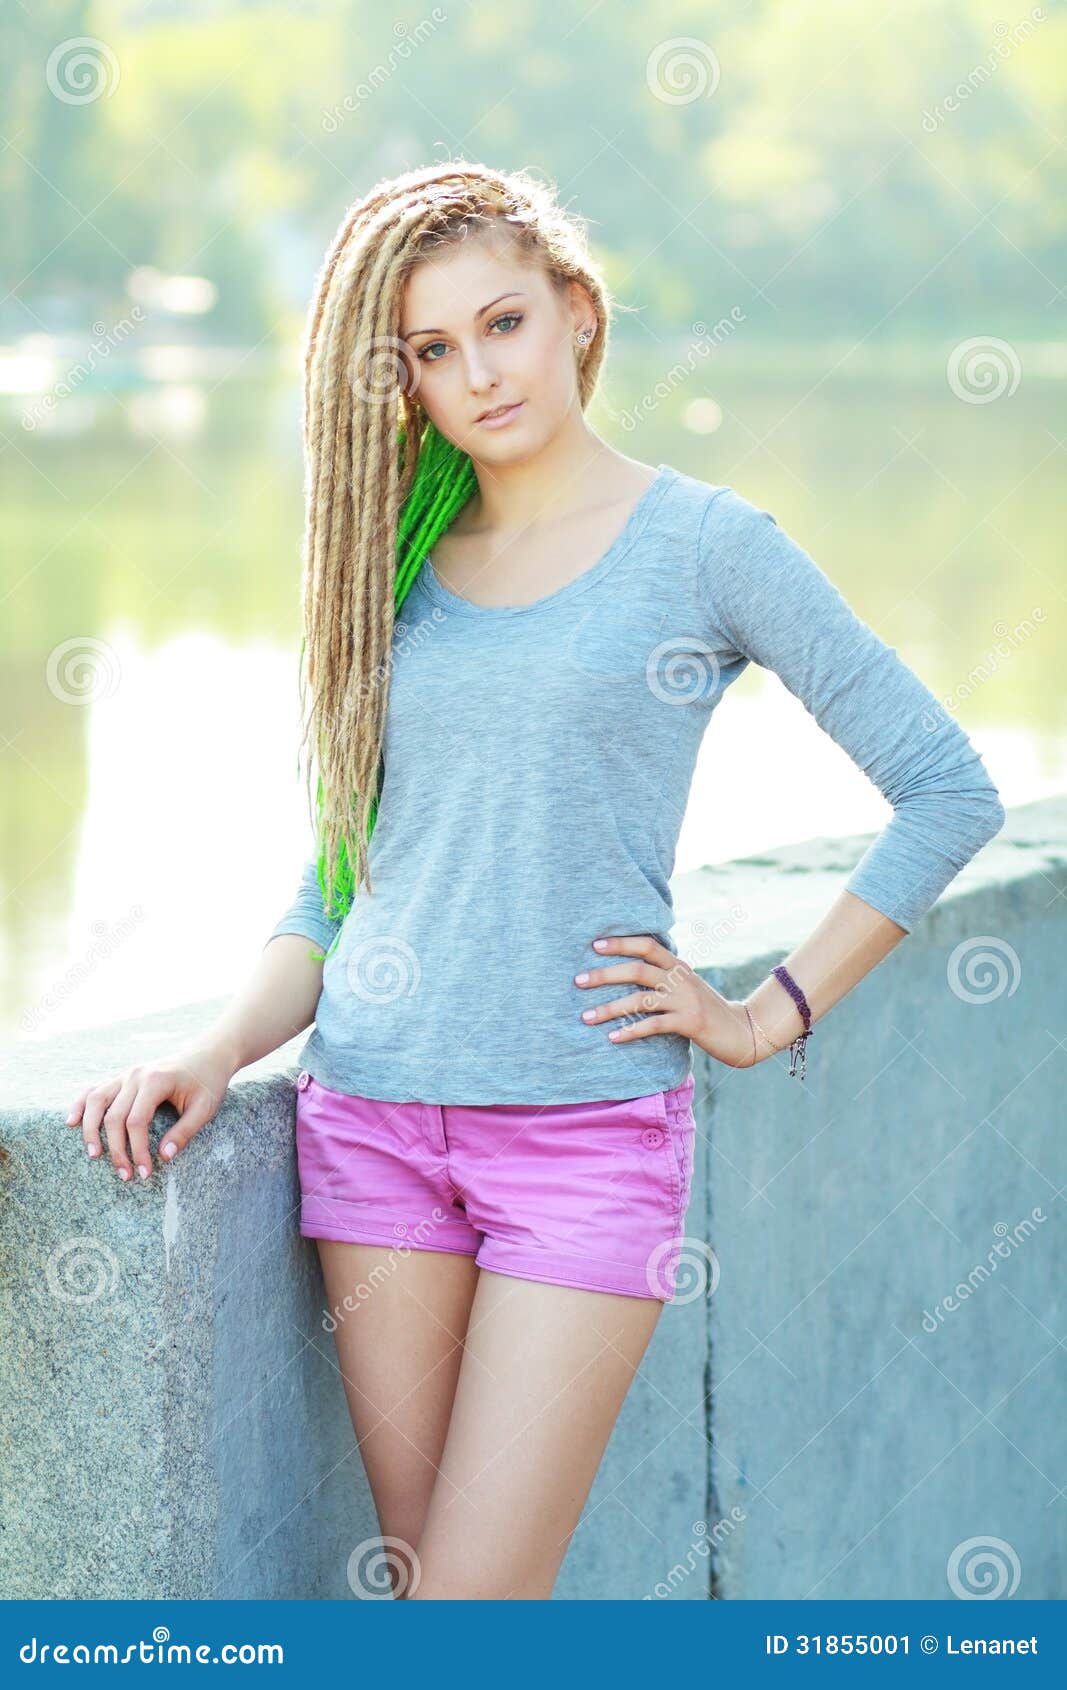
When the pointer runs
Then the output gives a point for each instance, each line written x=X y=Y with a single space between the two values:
x=798 y=1053
x=797 y=1050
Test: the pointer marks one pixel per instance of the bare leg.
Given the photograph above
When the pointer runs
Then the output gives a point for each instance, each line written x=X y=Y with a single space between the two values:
x=544 y=1374
x=399 y=1350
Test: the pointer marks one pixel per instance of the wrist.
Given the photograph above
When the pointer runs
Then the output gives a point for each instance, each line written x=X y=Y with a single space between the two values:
x=222 y=1047
x=759 y=1046
x=748 y=1048
x=776 y=1027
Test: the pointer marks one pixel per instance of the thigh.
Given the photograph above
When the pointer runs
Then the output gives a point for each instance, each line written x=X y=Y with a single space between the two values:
x=401 y=1319
x=544 y=1374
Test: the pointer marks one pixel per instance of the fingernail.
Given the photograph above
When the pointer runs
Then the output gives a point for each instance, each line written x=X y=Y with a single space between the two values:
x=580 y=979
x=142 y=1170
x=614 y=1035
x=124 y=1173
x=600 y=944
x=168 y=1151
x=587 y=1014
x=92 y=1150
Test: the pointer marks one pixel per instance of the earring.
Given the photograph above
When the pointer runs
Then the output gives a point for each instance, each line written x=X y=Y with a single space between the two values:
x=584 y=336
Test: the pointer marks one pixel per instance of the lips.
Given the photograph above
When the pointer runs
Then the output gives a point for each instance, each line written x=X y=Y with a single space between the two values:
x=498 y=410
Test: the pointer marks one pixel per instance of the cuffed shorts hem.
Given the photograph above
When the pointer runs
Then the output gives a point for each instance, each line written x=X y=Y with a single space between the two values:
x=591 y=1196
x=552 y=1268
x=322 y=1218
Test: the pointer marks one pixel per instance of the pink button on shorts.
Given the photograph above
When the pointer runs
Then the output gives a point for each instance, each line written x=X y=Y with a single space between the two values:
x=592 y=1195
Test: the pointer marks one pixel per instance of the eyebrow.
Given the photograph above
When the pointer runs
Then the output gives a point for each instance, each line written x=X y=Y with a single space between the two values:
x=411 y=333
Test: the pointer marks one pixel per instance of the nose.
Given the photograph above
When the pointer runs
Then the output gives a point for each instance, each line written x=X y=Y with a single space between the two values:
x=481 y=377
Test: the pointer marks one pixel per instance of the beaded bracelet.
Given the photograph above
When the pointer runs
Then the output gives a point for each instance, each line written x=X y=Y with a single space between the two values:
x=797 y=1050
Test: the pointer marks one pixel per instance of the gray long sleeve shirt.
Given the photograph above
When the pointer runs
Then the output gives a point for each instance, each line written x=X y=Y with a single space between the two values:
x=538 y=760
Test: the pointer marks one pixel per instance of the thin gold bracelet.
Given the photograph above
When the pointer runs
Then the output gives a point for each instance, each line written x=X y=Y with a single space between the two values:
x=796 y=1046
x=753 y=1026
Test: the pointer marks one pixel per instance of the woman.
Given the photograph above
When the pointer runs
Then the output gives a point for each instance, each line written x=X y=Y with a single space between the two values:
x=515 y=637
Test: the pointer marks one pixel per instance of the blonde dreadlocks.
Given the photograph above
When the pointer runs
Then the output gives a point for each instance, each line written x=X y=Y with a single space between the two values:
x=381 y=482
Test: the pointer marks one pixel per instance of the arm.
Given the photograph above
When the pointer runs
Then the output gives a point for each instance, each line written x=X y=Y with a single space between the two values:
x=277 y=1001
x=280 y=998
x=307 y=913
x=769 y=602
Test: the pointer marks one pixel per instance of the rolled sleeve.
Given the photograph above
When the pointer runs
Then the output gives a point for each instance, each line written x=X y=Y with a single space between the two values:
x=307 y=913
x=772 y=604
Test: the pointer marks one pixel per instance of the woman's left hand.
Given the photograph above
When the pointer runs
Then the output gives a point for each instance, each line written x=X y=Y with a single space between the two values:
x=672 y=996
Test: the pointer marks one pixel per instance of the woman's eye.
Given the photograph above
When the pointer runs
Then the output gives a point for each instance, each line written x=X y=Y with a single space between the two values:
x=508 y=317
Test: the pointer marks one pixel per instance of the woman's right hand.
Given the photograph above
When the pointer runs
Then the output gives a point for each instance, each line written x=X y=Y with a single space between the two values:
x=194 y=1079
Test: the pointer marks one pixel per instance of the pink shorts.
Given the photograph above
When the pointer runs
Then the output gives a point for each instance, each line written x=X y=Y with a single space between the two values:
x=592 y=1195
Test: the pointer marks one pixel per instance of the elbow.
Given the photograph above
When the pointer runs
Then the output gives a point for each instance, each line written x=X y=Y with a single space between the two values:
x=980 y=816
x=995 y=815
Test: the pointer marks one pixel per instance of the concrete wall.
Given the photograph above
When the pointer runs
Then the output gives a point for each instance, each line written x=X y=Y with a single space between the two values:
x=862 y=1372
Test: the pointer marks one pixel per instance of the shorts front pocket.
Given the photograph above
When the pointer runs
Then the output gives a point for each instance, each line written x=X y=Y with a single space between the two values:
x=679 y=1125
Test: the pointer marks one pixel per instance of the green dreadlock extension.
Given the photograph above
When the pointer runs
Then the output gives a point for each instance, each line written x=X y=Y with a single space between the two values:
x=444 y=481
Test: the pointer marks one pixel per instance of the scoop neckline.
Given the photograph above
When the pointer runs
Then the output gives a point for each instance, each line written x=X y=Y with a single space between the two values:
x=627 y=535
